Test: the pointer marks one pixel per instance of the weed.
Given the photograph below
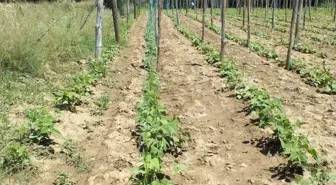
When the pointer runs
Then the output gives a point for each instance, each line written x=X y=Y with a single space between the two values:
x=303 y=48
x=62 y=178
x=101 y=104
x=15 y=158
x=73 y=157
x=322 y=55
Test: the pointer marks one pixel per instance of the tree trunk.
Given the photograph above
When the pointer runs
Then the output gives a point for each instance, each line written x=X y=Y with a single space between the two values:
x=115 y=20
x=291 y=35
x=304 y=14
x=211 y=12
x=127 y=11
x=266 y=11
x=177 y=16
x=135 y=15
x=222 y=30
x=273 y=14
x=203 y=19
x=99 y=24
x=244 y=12
x=316 y=4
x=297 y=27
x=248 y=22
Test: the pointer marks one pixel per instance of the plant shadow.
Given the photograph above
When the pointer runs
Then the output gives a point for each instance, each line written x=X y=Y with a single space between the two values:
x=286 y=171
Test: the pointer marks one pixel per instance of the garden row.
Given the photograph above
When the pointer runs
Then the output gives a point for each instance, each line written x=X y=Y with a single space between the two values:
x=156 y=133
x=313 y=26
x=35 y=137
x=314 y=76
x=325 y=40
x=296 y=147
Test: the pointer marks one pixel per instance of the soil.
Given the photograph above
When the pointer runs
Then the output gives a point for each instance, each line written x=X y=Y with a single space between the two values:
x=220 y=150
x=281 y=50
x=301 y=101
x=310 y=59
x=107 y=144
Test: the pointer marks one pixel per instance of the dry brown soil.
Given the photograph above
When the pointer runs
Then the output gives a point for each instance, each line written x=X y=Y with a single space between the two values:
x=107 y=144
x=301 y=101
x=281 y=50
x=192 y=91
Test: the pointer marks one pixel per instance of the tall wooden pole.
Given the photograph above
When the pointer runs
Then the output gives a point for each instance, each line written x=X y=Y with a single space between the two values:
x=177 y=16
x=159 y=33
x=203 y=19
x=244 y=12
x=222 y=30
x=291 y=34
x=248 y=23
x=128 y=8
x=134 y=10
x=99 y=24
x=286 y=7
x=298 y=19
x=115 y=20
x=273 y=14
x=266 y=11
x=211 y=12
x=304 y=14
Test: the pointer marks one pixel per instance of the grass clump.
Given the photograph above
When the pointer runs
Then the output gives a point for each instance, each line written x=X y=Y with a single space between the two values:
x=62 y=178
x=55 y=36
x=73 y=157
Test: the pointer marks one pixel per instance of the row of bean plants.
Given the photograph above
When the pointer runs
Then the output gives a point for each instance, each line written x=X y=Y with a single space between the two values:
x=296 y=147
x=156 y=133
x=313 y=76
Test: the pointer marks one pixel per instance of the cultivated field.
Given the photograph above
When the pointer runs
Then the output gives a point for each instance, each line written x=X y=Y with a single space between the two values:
x=168 y=97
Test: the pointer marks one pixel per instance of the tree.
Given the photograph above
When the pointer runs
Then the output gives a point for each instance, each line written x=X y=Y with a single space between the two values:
x=291 y=34
x=297 y=27
x=248 y=23
x=115 y=20
x=203 y=19
x=222 y=30
x=99 y=23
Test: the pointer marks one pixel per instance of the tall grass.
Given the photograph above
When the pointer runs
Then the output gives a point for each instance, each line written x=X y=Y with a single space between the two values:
x=38 y=44
x=33 y=35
